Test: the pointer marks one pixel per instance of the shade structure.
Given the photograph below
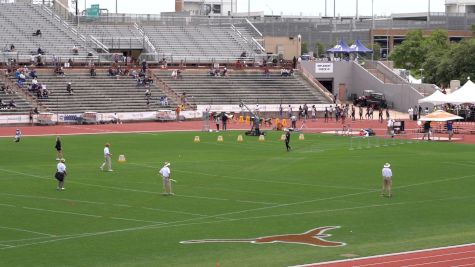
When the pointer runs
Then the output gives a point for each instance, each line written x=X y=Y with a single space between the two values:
x=340 y=47
x=440 y=115
x=358 y=47
x=437 y=98
x=466 y=94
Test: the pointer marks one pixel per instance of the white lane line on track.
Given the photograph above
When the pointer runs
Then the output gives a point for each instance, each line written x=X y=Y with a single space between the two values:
x=134 y=220
x=437 y=262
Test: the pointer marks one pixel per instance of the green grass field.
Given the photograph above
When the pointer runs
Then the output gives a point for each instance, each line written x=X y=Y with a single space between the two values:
x=227 y=190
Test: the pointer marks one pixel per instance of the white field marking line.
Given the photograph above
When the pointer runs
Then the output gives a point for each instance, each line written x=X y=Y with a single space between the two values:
x=26 y=231
x=134 y=220
x=177 y=212
x=460 y=164
x=254 y=180
x=385 y=255
x=128 y=189
x=417 y=258
x=7 y=205
x=102 y=133
x=165 y=225
x=60 y=199
x=434 y=262
x=8 y=246
x=64 y=212
x=27 y=239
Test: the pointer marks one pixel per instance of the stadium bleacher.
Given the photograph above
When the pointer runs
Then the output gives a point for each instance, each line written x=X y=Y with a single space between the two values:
x=251 y=87
x=22 y=106
x=99 y=94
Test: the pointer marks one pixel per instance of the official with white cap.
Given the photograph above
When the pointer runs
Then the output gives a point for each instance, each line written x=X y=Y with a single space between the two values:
x=166 y=177
x=60 y=174
x=387 y=179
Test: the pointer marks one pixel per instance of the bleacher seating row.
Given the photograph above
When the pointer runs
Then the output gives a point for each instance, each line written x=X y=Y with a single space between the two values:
x=22 y=106
x=252 y=88
x=102 y=93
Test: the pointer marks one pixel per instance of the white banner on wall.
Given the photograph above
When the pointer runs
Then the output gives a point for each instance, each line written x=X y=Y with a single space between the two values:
x=323 y=67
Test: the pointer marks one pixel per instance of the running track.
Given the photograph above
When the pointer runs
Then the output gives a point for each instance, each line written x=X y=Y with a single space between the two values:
x=460 y=256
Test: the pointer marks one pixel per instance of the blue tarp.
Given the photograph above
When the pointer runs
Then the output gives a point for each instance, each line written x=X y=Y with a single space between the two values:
x=358 y=47
x=341 y=47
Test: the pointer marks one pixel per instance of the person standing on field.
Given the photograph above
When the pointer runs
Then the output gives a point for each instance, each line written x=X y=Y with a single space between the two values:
x=387 y=179
x=107 y=158
x=60 y=174
x=59 y=149
x=166 y=175
x=287 y=140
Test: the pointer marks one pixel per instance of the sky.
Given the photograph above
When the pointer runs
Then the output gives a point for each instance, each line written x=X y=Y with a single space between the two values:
x=286 y=7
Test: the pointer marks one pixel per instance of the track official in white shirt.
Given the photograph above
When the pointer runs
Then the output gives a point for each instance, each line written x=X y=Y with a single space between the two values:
x=107 y=158
x=60 y=174
x=387 y=179
x=166 y=177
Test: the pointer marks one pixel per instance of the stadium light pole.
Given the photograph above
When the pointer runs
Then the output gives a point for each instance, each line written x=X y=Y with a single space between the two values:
x=326 y=8
x=249 y=8
x=356 y=9
x=428 y=11
x=372 y=29
x=115 y=6
x=334 y=8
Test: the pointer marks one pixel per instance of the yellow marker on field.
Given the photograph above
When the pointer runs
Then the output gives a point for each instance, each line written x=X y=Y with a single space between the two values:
x=282 y=137
x=121 y=159
x=301 y=137
x=241 y=119
x=220 y=138
x=284 y=122
x=262 y=138
x=197 y=139
x=239 y=138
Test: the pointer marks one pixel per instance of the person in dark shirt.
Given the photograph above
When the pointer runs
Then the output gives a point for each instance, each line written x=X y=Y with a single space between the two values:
x=426 y=130
x=450 y=129
x=287 y=140
x=59 y=149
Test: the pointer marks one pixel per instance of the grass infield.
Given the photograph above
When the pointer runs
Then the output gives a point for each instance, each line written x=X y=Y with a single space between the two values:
x=227 y=190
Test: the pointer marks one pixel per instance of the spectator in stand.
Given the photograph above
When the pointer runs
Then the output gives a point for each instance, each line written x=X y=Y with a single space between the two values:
x=165 y=100
x=33 y=74
x=75 y=50
x=179 y=76
x=174 y=74
x=266 y=71
x=59 y=71
x=40 y=51
x=12 y=48
x=148 y=94
x=69 y=89
x=12 y=103
x=144 y=66
x=37 y=33
x=225 y=71
x=34 y=84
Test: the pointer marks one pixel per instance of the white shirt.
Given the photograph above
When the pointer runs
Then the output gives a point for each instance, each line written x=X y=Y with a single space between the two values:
x=106 y=152
x=390 y=123
x=165 y=172
x=61 y=167
x=387 y=172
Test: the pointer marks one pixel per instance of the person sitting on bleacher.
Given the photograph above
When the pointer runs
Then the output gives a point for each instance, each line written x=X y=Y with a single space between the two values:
x=75 y=50
x=12 y=104
x=40 y=51
x=44 y=91
x=69 y=89
x=225 y=71
x=21 y=79
x=12 y=48
x=174 y=74
x=33 y=74
x=216 y=72
x=2 y=104
x=34 y=84
x=37 y=33
x=148 y=94
x=92 y=70
x=59 y=71
x=9 y=91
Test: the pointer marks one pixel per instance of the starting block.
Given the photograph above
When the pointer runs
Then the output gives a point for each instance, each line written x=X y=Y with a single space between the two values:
x=239 y=138
x=220 y=138
x=121 y=159
x=197 y=139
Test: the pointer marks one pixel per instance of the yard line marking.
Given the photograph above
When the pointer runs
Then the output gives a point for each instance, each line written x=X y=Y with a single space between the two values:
x=459 y=163
x=8 y=246
x=26 y=231
x=7 y=205
x=64 y=212
x=53 y=198
x=173 y=211
x=27 y=239
x=134 y=220
x=427 y=263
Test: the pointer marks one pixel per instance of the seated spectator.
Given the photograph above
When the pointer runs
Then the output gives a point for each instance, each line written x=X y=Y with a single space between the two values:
x=9 y=91
x=40 y=51
x=35 y=110
x=174 y=74
x=111 y=72
x=59 y=71
x=69 y=89
x=211 y=71
x=179 y=75
x=33 y=74
x=37 y=33
x=44 y=91
x=75 y=50
x=92 y=70
x=165 y=100
x=12 y=104
x=216 y=72
x=2 y=104
x=134 y=74
x=225 y=71
x=12 y=48
x=3 y=88
x=115 y=119
x=70 y=62
x=266 y=71
x=39 y=60
x=148 y=94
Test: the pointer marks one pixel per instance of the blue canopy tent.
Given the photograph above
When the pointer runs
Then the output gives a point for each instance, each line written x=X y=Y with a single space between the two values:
x=340 y=47
x=358 y=47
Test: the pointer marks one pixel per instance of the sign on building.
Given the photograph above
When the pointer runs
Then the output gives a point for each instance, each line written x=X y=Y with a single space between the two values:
x=324 y=68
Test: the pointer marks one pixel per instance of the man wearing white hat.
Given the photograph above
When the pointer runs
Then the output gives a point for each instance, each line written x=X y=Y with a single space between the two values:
x=166 y=174
x=387 y=179
x=60 y=174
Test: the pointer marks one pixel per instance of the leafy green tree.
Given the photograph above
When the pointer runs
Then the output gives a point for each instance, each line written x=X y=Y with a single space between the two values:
x=319 y=49
x=412 y=52
x=376 y=51
x=304 y=48
x=473 y=29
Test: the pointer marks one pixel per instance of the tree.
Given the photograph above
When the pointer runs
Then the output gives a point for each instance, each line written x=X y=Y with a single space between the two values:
x=412 y=52
x=376 y=51
x=473 y=29
x=319 y=49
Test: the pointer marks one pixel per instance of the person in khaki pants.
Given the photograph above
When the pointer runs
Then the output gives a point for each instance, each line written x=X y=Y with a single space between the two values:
x=166 y=175
x=107 y=158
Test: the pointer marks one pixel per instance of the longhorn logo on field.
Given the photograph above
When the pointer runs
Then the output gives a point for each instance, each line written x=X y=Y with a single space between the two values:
x=314 y=237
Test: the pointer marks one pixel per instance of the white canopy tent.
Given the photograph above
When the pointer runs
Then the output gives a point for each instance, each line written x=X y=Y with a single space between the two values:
x=466 y=94
x=437 y=98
